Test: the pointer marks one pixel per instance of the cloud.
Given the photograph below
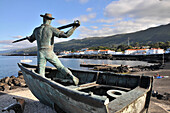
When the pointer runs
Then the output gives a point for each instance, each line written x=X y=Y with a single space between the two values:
x=19 y=36
x=118 y=28
x=138 y=9
x=64 y=21
x=8 y=45
x=11 y=46
x=89 y=9
x=125 y=16
x=6 y=42
x=86 y=32
x=109 y=20
x=94 y=27
x=82 y=18
x=86 y=18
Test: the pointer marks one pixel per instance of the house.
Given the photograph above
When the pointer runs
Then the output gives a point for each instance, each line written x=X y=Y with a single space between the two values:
x=129 y=51
x=90 y=52
x=117 y=53
x=78 y=53
x=168 y=50
x=136 y=51
x=106 y=51
x=64 y=53
x=155 y=51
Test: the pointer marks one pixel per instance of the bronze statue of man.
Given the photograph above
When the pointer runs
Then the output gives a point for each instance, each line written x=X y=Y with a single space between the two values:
x=44 y=35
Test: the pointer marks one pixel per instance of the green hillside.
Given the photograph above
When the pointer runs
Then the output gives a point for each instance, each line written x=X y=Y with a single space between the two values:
x=151 y=35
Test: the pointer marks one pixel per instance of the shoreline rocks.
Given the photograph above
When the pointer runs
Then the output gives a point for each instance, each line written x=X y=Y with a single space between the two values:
x=122 y=68
x=12 y=82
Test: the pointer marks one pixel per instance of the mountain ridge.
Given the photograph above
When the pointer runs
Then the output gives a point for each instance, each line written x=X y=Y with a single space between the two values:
x=151 y=35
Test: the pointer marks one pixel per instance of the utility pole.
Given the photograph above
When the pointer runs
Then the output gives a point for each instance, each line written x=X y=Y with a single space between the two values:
x=163 y=57
x=128 y=41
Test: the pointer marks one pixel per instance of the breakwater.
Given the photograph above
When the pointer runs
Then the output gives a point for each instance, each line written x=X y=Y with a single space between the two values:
x=154 y=58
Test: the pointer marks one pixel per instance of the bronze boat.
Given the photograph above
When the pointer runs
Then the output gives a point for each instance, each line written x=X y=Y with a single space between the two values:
x=98 y=92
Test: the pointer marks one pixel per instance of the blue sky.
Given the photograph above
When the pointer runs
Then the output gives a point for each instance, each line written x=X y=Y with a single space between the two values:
x=98 y=17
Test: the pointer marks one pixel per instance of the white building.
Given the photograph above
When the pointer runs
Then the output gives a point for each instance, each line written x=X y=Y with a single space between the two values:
x=168 y=50
x=78 y=53
x=155 y=51
x=106 y=51
x=118 y=53
x=65 y=53
x=129 y=51
x=90 y=52
x=136 y=51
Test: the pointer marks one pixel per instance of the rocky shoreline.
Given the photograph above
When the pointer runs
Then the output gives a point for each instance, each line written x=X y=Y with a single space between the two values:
x=122 y=68
x=153 y=58
x=12 y=82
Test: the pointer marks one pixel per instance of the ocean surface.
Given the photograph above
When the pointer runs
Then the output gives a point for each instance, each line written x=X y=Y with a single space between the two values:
x=9 y=67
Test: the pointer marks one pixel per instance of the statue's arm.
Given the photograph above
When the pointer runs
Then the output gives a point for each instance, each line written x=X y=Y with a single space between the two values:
x=68 y=33
x=31 y=38
x=62 y=34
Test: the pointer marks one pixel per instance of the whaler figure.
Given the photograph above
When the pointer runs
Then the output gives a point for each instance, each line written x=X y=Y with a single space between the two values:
x=44 y=35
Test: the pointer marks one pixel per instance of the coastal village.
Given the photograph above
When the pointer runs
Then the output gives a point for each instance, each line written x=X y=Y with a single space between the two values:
x=86 y=51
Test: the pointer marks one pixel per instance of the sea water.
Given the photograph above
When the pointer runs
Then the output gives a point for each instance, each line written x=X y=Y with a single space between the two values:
x=9 y=67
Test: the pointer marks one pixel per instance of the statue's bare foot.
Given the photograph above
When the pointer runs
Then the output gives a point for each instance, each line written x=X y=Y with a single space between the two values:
x=75 y=80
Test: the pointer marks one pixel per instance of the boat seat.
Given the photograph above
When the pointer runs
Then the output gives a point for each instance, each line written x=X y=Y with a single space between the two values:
x=115 y=93
x=88 y=85
x=83 y=86
x=72 y=87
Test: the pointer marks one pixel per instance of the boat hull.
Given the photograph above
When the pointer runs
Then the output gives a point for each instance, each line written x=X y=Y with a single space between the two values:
x=61 y=99
x=79 y=100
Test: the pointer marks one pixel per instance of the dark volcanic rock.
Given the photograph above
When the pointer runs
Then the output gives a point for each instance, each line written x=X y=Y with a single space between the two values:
x=12 y=77
x=2 y=84
x=19 y=73
x=5 y=87
x=16 y=82
x=1 y=88
x=12 y=82
x=6 y=79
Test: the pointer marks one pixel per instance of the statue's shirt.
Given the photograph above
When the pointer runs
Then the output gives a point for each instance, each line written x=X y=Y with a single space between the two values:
x=45 y=36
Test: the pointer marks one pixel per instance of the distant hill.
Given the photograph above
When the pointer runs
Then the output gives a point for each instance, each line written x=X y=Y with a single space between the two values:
x=6 y=51
x=154 y=34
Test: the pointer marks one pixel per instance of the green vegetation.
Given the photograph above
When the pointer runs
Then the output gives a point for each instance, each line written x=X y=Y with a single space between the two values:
x=137 y=45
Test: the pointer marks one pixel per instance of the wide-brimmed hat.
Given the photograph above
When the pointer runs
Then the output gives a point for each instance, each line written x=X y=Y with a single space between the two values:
x=48 y=16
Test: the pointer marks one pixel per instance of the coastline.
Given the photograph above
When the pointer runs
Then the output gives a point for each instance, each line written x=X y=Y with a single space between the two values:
x=150 y=58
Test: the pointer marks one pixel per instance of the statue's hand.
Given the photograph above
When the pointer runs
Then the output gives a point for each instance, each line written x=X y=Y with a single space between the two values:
x=77 y=23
